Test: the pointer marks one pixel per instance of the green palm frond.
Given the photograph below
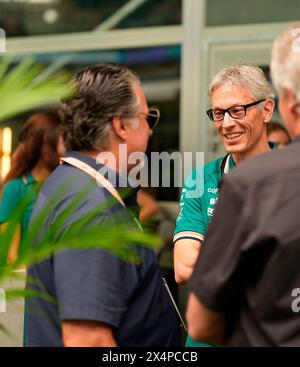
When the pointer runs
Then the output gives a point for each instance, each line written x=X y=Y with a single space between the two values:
x=21 y=90
x=118 y=238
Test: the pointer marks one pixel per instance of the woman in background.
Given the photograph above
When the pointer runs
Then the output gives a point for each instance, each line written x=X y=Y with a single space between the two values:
x=37 y=155
x=278 y=134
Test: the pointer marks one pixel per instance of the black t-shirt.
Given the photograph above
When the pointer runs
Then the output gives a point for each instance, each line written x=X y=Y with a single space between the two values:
x=248 y=268
x=94 y=284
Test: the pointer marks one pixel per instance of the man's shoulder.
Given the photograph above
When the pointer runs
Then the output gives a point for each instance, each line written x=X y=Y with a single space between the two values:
x=209 y=169
x=214 y=167
x=70 y=181
x=68 y=186
x=266 y=167
x=204 y=176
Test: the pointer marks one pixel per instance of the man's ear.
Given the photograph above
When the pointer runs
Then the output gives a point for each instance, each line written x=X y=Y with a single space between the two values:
x=292 y=104
x=119 y=128
x=268 y=110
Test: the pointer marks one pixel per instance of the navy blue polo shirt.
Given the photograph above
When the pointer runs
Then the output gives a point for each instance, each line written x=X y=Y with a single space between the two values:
x=94 y=284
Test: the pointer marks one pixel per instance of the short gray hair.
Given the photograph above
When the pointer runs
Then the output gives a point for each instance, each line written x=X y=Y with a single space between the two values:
x=249 y=77
x=285 y=61
x=103 y=91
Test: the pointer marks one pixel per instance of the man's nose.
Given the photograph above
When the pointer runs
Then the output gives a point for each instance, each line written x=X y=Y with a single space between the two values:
x=228 y=121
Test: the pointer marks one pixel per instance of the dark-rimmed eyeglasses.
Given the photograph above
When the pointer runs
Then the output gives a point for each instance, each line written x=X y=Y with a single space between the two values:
x=236 y=112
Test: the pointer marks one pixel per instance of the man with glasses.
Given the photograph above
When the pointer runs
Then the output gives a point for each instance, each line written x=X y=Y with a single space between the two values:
x=246 y=283
x=242 y=105
x=102 y=300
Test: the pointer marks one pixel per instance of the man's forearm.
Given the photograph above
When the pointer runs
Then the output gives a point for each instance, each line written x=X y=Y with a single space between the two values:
x=186 y=253
x=87 y=334
x=204 y=324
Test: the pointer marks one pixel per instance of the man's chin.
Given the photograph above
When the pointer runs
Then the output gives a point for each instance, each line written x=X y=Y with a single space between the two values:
x=234 y=149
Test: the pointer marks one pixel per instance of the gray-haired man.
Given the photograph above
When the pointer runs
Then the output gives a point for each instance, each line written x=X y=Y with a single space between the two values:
x=242 y=106
x=246 y=284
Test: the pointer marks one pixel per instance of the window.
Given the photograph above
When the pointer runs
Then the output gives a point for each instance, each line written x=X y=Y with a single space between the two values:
x=40 y=17
x=230 y=12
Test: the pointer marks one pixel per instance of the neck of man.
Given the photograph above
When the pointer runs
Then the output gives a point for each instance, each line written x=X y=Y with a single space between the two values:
x=261 y=147
x=110 y=158
x=294 y=129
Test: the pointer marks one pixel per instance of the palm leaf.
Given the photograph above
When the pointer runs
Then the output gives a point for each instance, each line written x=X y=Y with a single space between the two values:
x=19 y=91
x=117 y=238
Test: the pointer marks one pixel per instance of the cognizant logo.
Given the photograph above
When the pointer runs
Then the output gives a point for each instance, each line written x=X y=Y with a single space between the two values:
x=213 y=191
x=2 y=300
x=2 y=41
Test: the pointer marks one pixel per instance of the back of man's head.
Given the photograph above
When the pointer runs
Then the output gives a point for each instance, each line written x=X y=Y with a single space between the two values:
x=102 y=92
x=285 y=61
x=245 y=76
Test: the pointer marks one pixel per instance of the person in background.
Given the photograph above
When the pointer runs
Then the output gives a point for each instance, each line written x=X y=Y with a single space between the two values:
x=149 y=207
x=278 y=134
x=37 y=155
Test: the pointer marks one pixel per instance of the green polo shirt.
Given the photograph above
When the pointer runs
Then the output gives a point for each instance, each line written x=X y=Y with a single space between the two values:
x=197 y=204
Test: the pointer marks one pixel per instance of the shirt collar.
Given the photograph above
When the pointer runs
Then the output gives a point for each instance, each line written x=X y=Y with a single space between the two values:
x=273 y=145
x=84 y=158
x=126 y=181
x=231 y=163
x=30 y=179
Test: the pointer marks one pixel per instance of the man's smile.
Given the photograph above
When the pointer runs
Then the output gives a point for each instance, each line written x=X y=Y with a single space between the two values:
x=233 y=136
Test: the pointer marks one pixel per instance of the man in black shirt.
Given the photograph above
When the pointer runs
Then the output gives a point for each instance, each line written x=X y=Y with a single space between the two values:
x=247 y=279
